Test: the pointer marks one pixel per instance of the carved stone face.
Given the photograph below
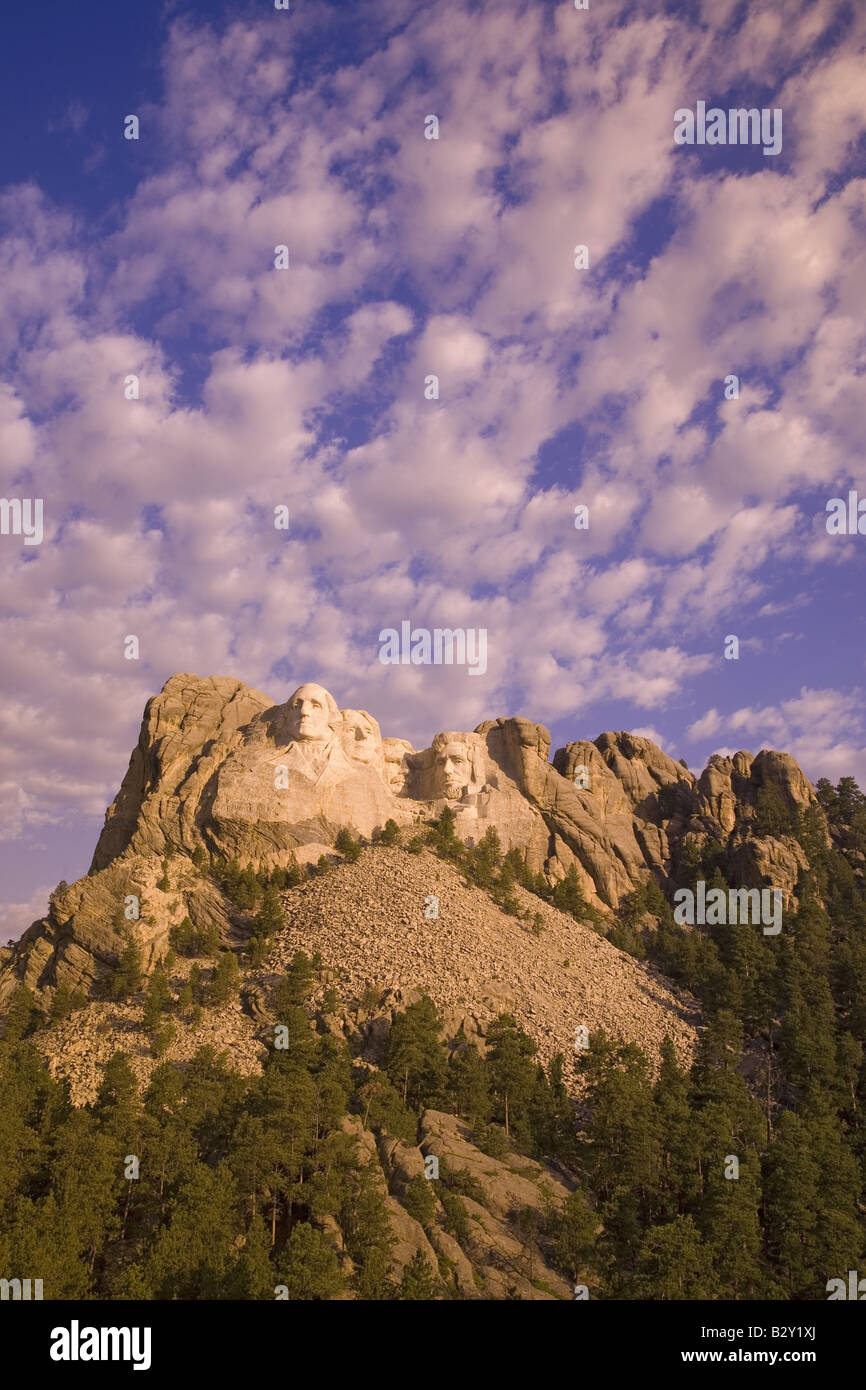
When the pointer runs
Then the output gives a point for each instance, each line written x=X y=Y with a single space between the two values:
x=453 y=769
x=312 y=711
x=362 y=741
x=396 y=768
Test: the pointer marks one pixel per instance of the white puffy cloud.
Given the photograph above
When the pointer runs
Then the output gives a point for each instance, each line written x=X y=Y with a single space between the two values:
x=455 y=257
x=15 y=918
x=823 y=729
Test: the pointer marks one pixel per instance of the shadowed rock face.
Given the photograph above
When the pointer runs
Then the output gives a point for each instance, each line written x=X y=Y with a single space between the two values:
x=397 y=753
x=187 y=730
x=219 y=765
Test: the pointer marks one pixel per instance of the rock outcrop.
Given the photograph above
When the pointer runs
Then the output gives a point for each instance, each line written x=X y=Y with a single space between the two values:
x=187 y=731
x=502 y=1265
x=220 y=772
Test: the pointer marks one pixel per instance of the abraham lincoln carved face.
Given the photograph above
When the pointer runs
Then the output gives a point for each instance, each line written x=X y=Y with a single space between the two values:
x=453 y=766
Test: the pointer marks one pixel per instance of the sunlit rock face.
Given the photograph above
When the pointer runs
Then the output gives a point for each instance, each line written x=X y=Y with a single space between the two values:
x=303 y=771
x=219 y=765
x=362 y=739
x=452 y=769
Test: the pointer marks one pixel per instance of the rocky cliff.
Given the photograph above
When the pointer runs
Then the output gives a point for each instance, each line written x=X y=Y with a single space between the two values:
x=348 y=829
x=220 y=773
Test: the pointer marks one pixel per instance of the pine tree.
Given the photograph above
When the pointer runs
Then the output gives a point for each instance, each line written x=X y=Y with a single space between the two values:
x=542 y=1115
x=286 y=1098
x=419 y=1283
x=568 y=895
x=162 y=1038
x=157 y=997
x=208 y=940
x=381 y=1107
x=256 y=951
x=791 y=1207
x=512 y=1074
x=332 y=1073
x=689 y=862
x=839 y=1241
x=255 y=1153
x=622 y=1153
x=309 y=1266
x=128 y=976
x=347 y=845
x=169 y=1151
x=774 y=816
x=561 y=1133
x=808 y=1037
x=252 y=1276
x=730 y=1226
x=270 y=916
x=467 y=1082
x=680 y=1179
x=673 y=1263
x=572 y=1230
x=367 y=1231
x=812 y=1195
x=86 y=1180
x=66 y=1001
x=420 y=1201
x=225 y=982
x=443 y=835
x=296 y=986
x=32 y=1105
x=415 y=1059
x=250 y=887
x=182 y=937
x=716 y=1075
x=487 y=857
x=117 y=1108
x=39 y=1238
x=299 y=1045
x=22 y=1016
x=849 y=1069
x=195 y=1255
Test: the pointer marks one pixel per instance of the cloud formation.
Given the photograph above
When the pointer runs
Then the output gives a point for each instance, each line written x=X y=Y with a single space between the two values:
x=557 y=386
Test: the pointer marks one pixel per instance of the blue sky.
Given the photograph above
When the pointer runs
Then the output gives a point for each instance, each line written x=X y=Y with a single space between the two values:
x=558 y=386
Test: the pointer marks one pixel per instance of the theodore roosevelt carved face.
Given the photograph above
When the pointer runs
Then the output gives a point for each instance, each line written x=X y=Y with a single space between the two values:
x=396 y=770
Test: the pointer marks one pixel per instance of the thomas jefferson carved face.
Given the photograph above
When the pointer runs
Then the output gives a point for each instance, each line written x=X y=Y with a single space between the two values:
x=362 y=741
x=313 y=714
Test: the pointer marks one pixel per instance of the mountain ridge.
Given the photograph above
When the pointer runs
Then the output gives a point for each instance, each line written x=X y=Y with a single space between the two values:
x=294 y=929
x=612 y=812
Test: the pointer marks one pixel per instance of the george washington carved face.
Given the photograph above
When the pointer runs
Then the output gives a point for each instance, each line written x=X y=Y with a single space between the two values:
x=312 y=714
